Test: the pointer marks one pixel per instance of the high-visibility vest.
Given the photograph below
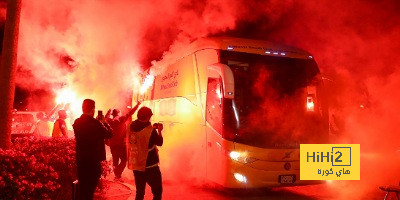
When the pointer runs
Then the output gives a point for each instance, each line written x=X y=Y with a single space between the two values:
x=57 y=129
x=138 y=148
x=42 y=129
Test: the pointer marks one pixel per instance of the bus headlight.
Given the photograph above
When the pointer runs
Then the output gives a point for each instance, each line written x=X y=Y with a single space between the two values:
x=241 y=157
x=240 y=178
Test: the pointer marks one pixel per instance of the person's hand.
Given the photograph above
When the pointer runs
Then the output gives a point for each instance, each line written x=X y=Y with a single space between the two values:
x=138 y=103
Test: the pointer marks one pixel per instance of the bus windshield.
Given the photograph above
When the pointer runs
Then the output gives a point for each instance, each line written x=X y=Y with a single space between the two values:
x=269 y=109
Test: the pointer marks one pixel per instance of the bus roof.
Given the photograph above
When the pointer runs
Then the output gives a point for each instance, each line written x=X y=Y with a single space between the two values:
x=260 y=47
x=246 y=45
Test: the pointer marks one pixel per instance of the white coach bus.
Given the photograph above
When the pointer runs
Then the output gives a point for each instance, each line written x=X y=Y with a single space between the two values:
x=235 y=111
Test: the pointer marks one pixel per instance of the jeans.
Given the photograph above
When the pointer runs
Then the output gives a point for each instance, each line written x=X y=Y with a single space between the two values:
x=151 y=176
x=118 y=153
x=88 y=176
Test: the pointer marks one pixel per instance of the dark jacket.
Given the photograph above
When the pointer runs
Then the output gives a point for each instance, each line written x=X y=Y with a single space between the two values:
x=155 y=139
x=118 y=125
x=119 y=130
x=89 y=136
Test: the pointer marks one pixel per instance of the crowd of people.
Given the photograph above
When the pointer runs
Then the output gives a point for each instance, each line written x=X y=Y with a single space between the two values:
x=132 y=143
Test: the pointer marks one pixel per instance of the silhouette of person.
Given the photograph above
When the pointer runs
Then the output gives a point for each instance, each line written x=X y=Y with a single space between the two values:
x=60 y=127
x=90 y=150
x=118 y=141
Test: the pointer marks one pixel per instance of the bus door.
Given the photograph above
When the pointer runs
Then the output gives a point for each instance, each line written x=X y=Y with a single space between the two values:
x=214 y=129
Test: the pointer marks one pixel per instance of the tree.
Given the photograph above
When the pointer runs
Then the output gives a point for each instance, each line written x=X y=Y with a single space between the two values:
x=8 y=71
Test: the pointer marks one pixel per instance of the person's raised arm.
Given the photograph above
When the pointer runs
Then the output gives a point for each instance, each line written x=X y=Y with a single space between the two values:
x=108 y=114
x=57 y=107
x=131 y=112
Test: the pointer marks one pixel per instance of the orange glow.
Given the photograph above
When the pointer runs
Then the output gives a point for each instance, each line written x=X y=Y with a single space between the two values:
x=148 y=82
x=65 y=96
x=68 y=98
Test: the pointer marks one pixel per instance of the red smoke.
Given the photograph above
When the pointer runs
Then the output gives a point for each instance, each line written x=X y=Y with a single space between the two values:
x=355 y=43
x=97 y=48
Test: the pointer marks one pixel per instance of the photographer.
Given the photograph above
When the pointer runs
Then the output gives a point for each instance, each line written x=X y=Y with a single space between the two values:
x=90 y=151
x=143 y=159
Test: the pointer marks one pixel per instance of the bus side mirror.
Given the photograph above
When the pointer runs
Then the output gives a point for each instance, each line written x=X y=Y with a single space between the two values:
x=220 y=70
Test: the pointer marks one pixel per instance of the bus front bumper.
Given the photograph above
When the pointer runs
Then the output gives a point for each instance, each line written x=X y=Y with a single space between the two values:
x=245 y=176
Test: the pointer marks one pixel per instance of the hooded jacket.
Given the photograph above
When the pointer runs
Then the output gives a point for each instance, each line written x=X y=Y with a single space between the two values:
x=140 y=127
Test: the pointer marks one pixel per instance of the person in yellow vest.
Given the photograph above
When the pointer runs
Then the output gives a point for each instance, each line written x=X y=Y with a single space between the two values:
x=42 y=126
x=143 y=159
x=60 y=127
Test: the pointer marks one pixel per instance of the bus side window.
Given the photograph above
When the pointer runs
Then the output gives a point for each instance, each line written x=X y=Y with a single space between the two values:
x=214 y=104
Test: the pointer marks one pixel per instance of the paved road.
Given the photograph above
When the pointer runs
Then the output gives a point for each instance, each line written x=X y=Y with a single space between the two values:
x=365 y=189
x=176 y=191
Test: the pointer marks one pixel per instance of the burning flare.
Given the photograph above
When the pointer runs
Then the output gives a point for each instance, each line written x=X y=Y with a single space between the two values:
x=65 y=96
x=148 y=82
x=68 y=99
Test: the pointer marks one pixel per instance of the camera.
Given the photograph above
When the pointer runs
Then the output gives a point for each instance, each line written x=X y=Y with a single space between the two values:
x=158 y=126
x=100 y=115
